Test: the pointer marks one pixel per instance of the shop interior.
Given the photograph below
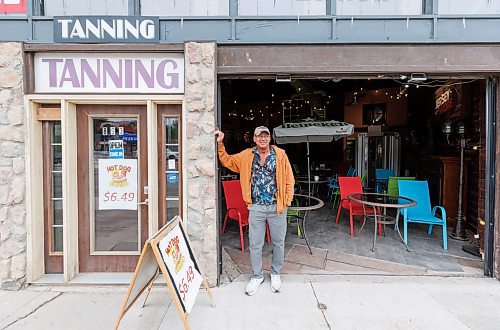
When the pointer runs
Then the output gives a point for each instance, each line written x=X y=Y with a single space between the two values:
x=413 y=124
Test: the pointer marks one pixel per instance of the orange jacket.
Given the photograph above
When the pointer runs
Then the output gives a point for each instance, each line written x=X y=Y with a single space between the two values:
x=242 y=163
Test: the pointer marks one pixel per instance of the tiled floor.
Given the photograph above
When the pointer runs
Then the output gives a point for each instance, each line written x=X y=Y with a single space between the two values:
x=336 y=252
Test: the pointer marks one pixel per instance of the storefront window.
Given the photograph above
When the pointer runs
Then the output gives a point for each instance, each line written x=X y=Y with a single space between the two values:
x=468 y=7
x=53 y=181
x=185 y=8
x=379 y=7
x=116 y=217
x=87 y=7
x=281 y=7
x=56 y=180
x=172 y=169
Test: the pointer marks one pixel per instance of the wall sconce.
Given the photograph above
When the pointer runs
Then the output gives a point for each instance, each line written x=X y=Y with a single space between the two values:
x=447 y=128
x=461 y=128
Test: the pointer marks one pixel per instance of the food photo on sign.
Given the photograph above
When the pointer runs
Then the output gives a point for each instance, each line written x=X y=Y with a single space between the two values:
x=182 y=270
x=117 y=184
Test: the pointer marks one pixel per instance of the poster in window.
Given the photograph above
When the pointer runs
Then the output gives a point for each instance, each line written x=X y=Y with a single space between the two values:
x=117 y=184
x=374 y=114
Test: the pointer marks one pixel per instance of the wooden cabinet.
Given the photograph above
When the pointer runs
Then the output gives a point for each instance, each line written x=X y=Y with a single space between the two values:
x=443 y=174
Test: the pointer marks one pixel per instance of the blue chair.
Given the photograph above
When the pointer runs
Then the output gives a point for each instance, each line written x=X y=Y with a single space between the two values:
x=381 y=178
x=334 y=188
x=421 y=213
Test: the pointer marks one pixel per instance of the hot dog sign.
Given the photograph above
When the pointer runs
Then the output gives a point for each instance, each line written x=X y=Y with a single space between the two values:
x=117 y=184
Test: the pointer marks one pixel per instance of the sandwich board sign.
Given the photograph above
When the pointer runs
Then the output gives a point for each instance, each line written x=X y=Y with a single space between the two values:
x=168 y=251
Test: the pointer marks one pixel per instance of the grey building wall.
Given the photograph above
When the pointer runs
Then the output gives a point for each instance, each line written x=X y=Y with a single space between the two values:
x=12 y=177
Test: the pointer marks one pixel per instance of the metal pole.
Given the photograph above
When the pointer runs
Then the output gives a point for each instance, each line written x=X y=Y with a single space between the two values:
x=459 y=230
x=308 y=170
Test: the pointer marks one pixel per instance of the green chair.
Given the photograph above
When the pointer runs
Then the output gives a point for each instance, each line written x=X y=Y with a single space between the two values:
x=392 y=187
x=392 y=184
x=293 y=217
x=363 y=179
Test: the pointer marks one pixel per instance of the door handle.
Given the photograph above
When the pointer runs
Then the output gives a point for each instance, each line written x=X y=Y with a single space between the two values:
x=146 y=202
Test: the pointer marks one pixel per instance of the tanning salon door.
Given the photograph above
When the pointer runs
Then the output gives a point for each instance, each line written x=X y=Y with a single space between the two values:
x=112 y=171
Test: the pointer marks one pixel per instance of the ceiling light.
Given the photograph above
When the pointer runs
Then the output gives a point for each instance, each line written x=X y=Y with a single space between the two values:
x=418 y=77
x=283 y=78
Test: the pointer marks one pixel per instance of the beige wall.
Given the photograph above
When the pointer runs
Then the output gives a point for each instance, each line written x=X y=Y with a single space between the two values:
x=200 y=155
x=396 y=109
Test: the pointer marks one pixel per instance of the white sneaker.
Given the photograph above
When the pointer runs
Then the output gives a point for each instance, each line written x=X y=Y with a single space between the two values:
x=275 y=283
x=253 y=285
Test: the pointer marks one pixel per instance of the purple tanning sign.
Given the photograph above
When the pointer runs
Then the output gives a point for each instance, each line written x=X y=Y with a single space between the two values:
x=109 y=73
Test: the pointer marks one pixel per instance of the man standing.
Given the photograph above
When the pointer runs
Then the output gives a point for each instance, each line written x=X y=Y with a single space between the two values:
x=267 y=184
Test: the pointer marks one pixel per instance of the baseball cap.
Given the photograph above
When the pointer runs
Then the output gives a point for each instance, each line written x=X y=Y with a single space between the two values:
x=261 y=129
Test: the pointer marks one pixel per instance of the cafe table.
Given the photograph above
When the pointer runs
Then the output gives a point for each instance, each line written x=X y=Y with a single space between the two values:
x=303 y=204
x=377 y=201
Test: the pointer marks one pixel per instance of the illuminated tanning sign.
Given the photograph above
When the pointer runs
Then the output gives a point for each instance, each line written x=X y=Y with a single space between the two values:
x=109 y=73
x=106 y=29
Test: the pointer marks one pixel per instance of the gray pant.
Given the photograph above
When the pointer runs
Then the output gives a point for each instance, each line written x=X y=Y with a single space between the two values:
x=257 y=232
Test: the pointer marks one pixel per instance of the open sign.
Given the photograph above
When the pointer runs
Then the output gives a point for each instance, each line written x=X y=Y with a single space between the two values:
x=116 y=149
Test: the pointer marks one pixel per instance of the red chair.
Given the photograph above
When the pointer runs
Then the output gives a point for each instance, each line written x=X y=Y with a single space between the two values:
x=237 y=209
x=352 y=185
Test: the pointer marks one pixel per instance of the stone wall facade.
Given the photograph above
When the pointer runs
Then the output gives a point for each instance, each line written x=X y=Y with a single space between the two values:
x=200 y=161
x=12 y=165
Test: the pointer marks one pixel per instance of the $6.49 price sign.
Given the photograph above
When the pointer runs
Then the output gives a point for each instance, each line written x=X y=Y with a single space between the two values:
x=113 y=197
x=185 y=282
x=117 y=184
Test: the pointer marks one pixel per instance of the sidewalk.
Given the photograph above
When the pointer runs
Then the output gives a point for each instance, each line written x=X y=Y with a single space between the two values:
x=306 y=302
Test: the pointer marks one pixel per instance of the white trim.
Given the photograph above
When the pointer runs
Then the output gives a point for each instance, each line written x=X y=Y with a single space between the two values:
x=106 y=99
x=152 y=142
x=70 y=189
x=184 y=153
x=34 y=194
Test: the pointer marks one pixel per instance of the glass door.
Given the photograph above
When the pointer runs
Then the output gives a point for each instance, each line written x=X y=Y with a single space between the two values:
x=112 y=168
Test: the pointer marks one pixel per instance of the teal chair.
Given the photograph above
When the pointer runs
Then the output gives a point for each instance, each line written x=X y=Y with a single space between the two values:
x=381 y=177
x=422 y=212
x=392 y=184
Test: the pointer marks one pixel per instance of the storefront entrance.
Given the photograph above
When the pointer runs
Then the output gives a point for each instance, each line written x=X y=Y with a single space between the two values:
x=398 y=127
x=113 y=191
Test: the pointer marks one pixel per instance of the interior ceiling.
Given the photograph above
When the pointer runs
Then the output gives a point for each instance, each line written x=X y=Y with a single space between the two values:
x=251 y=90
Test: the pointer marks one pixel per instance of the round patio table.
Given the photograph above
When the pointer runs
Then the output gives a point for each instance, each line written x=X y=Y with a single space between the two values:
x=305 y=204
x=376 y=201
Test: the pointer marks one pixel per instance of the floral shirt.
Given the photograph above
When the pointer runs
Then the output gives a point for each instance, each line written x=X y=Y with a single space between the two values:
x=264 y=179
